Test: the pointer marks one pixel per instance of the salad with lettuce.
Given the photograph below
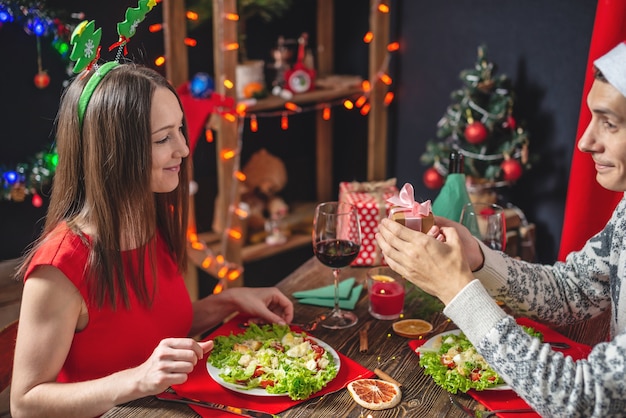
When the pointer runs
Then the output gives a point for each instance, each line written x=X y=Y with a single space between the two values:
x=457 y=366
x=274 y=358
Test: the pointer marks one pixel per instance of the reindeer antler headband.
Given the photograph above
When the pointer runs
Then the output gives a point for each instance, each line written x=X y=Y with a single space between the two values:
x=86 y=49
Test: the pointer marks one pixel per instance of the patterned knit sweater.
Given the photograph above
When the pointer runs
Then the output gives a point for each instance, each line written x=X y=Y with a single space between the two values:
x=587 y=283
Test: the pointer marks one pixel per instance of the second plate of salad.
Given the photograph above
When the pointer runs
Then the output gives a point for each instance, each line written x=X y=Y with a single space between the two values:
x=455 y=365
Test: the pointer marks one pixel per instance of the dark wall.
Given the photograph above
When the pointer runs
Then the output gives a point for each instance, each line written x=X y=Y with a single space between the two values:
x=541 y=45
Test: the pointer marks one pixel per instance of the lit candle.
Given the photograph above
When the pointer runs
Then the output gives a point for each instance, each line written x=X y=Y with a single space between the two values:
x=386 y=297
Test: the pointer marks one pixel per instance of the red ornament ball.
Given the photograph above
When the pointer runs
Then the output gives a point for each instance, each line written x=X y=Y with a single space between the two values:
x=42 y=80
x=37 y=201
x=511 y=169
x=475 y=133
x=432 y=179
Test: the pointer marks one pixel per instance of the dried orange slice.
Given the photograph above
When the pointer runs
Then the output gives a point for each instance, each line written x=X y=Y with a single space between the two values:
x=412 y=328
x=375 y=394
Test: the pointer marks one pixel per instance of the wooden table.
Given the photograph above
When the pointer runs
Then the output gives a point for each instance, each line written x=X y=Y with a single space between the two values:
x=387 y=351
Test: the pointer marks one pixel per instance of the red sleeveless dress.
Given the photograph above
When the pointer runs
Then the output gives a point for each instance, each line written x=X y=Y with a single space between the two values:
x=114 y=340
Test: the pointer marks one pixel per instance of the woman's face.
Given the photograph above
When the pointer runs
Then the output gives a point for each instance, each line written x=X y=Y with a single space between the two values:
x=169 y=146
x=605 y=137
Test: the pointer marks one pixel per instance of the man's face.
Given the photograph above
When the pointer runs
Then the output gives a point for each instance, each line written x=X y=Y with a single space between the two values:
x=605 y=137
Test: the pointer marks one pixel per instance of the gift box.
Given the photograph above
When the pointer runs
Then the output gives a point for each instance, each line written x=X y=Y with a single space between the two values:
x=405 y=210
x=370 y=198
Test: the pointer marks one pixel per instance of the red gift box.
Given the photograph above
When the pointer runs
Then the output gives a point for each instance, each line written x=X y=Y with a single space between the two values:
x=370 y=198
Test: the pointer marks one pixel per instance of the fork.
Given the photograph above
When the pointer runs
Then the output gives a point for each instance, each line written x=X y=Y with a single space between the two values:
x=479 y=413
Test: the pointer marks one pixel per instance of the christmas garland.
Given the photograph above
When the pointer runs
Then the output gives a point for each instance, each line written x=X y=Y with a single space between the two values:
x=29 y=179
x=33 y=178
x=38 y=21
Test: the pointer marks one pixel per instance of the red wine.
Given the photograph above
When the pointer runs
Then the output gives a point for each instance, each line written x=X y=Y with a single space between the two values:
x=337 y=252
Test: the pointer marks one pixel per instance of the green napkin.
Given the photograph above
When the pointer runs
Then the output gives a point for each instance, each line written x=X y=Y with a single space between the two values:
x=452 y=197
x=346 y=303
x=328 y=292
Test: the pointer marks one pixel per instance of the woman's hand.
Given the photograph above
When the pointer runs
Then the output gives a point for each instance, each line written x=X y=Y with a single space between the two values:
x=437 y=267
x=170 y=364
x=268 y=304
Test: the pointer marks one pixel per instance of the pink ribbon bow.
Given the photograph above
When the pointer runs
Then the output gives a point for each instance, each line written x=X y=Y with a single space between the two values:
x=406 y=199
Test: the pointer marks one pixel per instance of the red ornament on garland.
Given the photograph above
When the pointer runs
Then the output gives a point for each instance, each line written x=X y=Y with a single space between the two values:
x=511 y=169
x=42 y=80
x=433 y=179
x=510 y=123
x=476 y=132
x=37 y=201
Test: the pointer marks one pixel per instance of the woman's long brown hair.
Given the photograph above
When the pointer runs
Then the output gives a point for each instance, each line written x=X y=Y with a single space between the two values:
x=103 y=180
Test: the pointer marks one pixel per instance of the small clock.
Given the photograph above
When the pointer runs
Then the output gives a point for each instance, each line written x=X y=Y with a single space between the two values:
x=300 y=81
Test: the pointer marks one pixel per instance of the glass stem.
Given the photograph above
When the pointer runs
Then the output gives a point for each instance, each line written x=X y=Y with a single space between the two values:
x=336 y=277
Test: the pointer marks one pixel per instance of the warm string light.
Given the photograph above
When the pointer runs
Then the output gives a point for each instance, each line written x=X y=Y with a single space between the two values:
x=388 y=98
x=293 y=107
x=393 y=47
x=211 y=262
x=382 y=73
x=228 y=154
x=360 y=101
x=159 y=61
x=242 y=213
x=218 y=288
x=284 y=122
x=208 y=135
x=254 y=124
x=233 y=17
x=239 y=175
x=231 y=46
x=326 y=113
x=235 y=234
x=384 y=77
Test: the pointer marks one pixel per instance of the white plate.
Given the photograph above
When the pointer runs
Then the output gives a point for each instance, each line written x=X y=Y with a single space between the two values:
x=214 y=372
x=434 y=344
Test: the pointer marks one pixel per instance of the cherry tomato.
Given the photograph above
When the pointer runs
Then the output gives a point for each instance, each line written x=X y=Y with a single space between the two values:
x=266 y=383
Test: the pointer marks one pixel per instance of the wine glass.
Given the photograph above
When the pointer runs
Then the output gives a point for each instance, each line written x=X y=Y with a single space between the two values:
x=336 y=243
x=486 y=221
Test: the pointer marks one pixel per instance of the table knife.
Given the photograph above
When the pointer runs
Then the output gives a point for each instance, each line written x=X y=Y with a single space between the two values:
x=173 y=397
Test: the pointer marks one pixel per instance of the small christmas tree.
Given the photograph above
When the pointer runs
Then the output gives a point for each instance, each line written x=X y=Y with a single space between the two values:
x=480 y=125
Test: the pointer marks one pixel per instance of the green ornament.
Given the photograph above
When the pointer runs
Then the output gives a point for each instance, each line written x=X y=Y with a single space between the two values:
x=86 y=42
x=134 y=16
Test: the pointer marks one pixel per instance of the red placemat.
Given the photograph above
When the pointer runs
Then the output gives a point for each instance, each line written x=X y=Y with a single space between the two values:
x=201 y=386
x=508 y=399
